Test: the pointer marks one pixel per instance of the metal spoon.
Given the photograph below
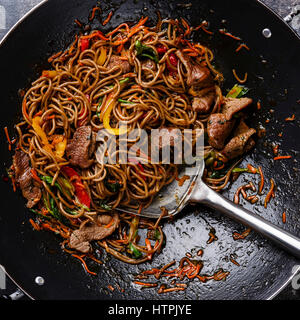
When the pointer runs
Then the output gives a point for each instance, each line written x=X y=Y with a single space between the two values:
x=175 y=198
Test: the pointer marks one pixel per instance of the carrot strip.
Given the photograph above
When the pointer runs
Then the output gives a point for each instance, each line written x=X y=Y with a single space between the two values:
x=163 y=290
x=262 y=180
x=275 y=149
x=282 y=157
x=203 y=26
x=56 y=55
x=187 y=27
x=91 y=18
x=284 y=217
x=242 y=46
x=292 y=118
x=146 y=284
x=106 y=21
x=269 y=195
x=84 y=264
x=35 y=176
x=109 y=224
x=243 y=235
x=229 y=34
x=7 y=135
x=251 y=168
x=78 y=23
x=133 y=31
x=35 y=226
x=118 y=28
x=258 y=105
x=218 y=168
x=207 y=31
x=148 y=244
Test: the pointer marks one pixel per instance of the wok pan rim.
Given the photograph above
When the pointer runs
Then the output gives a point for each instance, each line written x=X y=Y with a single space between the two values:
x=41 y=4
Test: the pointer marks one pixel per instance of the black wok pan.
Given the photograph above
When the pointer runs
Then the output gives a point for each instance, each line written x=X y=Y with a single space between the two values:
x=273 y=67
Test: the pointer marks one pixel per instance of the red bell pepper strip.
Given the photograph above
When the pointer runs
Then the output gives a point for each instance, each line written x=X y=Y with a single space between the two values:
x=136 y=162
x=161 y=49
x=80 y=191
x=173 y=61
x=84 y=44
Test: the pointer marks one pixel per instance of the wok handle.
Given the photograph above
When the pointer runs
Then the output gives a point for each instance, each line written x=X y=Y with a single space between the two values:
x=204 y=194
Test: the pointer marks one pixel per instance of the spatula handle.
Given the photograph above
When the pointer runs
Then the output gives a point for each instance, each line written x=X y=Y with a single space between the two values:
x=204 y=194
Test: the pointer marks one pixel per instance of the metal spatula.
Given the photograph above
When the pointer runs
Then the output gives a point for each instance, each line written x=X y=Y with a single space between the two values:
x=174 y=198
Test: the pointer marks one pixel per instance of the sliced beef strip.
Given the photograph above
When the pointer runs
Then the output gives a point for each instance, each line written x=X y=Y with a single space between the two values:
x=218 y=130
x=240 y=143
x=219 y=125
x=80 y=239
x=203 y=102
x=234 y=105
x=30 y=188
x=116 y=61
x=197 y=75
x=81 y=148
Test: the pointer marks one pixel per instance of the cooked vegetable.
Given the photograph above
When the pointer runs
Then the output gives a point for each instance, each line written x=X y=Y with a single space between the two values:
x=80 y=190
x=40 y=132
x=102 y=58
x=145 y=51
x=237 y=91
x=134 y=251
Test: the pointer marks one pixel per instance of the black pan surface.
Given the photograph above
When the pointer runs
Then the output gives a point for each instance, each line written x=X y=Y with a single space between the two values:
x=273 y=67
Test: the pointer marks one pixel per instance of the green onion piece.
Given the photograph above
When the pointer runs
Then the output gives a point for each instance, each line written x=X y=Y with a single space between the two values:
x=135 y=252
x=146 y=55
x=66 y=183
x=125 y=101
x=39 y=214
x=113 y=187
x=104 y=205
x=133 y=228
x=157 y=235
x=49 y=180
x=237 y=170
x=237 y=91
x=124 y=80
x=145 y=51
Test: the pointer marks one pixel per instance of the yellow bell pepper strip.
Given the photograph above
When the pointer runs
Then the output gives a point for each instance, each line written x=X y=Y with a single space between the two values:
x=102 y=57
x=110 y=100
x=107 y=108
x=60 y=143
x=109 y=105
x=40 y=132
x=49 y=74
